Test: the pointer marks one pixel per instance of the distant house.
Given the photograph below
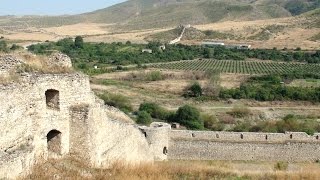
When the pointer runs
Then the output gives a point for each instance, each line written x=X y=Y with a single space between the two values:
x=162 y=47
x=244 y=46
x=212 y=43
x=147 y=50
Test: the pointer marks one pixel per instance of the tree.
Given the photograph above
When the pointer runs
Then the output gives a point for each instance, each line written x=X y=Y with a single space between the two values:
x=144 y=118
x=189 y=117
x=78 y=42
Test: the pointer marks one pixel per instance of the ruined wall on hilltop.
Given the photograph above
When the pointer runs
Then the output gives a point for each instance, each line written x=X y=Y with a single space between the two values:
x=26 y=119
x=56 y=115
x=209 y=145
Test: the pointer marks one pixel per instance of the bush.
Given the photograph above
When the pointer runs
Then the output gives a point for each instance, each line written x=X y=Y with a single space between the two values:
x=211 y=122
x=3 y=46
x=239 y=112
x=144 y=118
x=189 y=117
x=194 y=90
x=119 y=68
x=281 y=166
x=156 y=111
x=116 y=100
x=226 y=119
x=15 y=47
x=154 y=76
x=288 y=123
x=242 y=127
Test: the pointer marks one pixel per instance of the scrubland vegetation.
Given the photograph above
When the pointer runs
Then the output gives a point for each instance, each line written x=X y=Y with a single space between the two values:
x=270 y=88
x=86 y=55
x=238 y=118
x=5 y=47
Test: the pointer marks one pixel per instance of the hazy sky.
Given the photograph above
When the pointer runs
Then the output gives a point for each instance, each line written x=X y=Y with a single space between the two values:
x=52 y=7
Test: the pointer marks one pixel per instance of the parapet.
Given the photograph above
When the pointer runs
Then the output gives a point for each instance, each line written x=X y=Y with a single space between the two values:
x=244 y=136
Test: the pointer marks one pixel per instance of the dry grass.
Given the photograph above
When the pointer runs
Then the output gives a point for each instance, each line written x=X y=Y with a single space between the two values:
x=138 y=75
x=32 y=64
x=291 y=37
x=12 y=77
x=78 y=29
x=40 y=64
x=74 y=169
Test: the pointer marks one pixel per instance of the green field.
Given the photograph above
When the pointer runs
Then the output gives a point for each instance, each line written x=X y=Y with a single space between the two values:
x=240 y=67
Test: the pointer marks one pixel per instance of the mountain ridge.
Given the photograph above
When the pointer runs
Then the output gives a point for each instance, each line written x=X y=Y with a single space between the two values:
x=145 y=14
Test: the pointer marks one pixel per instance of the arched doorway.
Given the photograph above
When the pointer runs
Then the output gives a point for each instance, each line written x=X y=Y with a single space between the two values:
x=54 y=141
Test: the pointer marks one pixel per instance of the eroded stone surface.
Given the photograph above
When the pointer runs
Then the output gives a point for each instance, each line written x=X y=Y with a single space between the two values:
x=8 y=63
x=59 y=59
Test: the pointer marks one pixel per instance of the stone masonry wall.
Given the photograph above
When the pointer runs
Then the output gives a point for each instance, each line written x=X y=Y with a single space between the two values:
x=25 y=119
x=208 y=145
x=115 y=141
x=79 y=136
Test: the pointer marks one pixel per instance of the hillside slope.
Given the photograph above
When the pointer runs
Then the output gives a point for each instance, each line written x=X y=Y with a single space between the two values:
x=143 y=14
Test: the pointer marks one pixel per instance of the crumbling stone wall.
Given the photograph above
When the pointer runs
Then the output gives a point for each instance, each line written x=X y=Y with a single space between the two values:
x=116 y=141
x=208 y=145
x=59 y=59
x=26 y=120
x=8 y=64
x=87 y=130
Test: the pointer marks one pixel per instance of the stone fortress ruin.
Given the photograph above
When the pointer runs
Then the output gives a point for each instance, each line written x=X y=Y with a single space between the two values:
x=53 y=115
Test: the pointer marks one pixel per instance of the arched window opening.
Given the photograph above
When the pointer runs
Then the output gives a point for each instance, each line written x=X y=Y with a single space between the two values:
x=241 y=136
